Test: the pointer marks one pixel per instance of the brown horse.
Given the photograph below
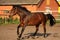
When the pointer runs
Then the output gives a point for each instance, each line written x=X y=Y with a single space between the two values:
x=28 y=18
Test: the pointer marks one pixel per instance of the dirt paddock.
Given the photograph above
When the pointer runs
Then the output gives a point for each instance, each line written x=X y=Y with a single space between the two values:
x=8 y=32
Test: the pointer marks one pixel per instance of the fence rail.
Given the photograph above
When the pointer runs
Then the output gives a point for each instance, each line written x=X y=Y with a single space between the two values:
x=44 y=11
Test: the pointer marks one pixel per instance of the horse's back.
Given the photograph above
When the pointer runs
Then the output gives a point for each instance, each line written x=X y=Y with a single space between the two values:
x=40 y=14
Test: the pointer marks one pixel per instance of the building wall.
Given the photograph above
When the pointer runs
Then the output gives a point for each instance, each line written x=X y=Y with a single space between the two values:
x=3 y=13
x=3 y=8
x=31 y=7
x=50 y=3
x=42 y=7
x=54 y=6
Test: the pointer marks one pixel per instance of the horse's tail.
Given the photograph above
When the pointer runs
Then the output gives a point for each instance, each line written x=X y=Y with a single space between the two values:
x=52 y=19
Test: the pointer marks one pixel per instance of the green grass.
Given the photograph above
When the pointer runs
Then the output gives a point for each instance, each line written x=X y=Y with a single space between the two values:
x=9 y=21
x=57 y=21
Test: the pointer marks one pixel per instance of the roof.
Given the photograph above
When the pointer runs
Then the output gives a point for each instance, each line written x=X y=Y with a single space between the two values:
x=58 y=2
x=18 y=2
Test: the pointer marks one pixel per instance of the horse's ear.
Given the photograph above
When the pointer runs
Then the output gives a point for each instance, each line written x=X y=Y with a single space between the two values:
x=13 y=6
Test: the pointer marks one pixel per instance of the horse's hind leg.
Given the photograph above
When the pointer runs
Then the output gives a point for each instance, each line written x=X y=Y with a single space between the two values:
x=37 y=28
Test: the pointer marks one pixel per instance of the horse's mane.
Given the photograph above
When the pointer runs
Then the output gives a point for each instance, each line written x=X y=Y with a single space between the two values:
x=23 y=8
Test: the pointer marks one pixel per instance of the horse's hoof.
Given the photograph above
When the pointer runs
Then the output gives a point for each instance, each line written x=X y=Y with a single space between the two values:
x=23 y=38
x=19 y=39
x=45 y=36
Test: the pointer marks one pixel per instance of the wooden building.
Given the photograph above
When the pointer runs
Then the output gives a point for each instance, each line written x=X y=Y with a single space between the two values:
x=31 y=5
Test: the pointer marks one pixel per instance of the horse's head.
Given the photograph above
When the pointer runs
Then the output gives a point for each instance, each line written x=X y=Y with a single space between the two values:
x=13 y=11
x=21 y=11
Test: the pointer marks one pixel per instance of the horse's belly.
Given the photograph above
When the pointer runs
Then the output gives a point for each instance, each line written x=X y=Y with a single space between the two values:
x=33 y=22
x=34 y=19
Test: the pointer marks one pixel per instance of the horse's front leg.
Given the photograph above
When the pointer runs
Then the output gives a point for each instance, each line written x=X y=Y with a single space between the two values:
x=44 y=27
x=18 y=29
x=44 y=31
x=21 y=32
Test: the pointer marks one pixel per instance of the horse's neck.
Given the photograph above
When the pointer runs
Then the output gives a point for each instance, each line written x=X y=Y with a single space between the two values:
x=26 y=13
x=24 y=10
x=21 y=15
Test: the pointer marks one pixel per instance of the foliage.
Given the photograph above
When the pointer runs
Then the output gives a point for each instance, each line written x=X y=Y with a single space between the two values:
x=9 y=21
x=1 y=20
x=16 y=21
x=58 y=21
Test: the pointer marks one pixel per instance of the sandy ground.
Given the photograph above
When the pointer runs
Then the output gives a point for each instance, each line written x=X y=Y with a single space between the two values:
x=8 y=32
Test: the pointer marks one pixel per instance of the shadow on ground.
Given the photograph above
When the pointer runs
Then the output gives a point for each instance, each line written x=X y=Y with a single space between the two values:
x=37 y=35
